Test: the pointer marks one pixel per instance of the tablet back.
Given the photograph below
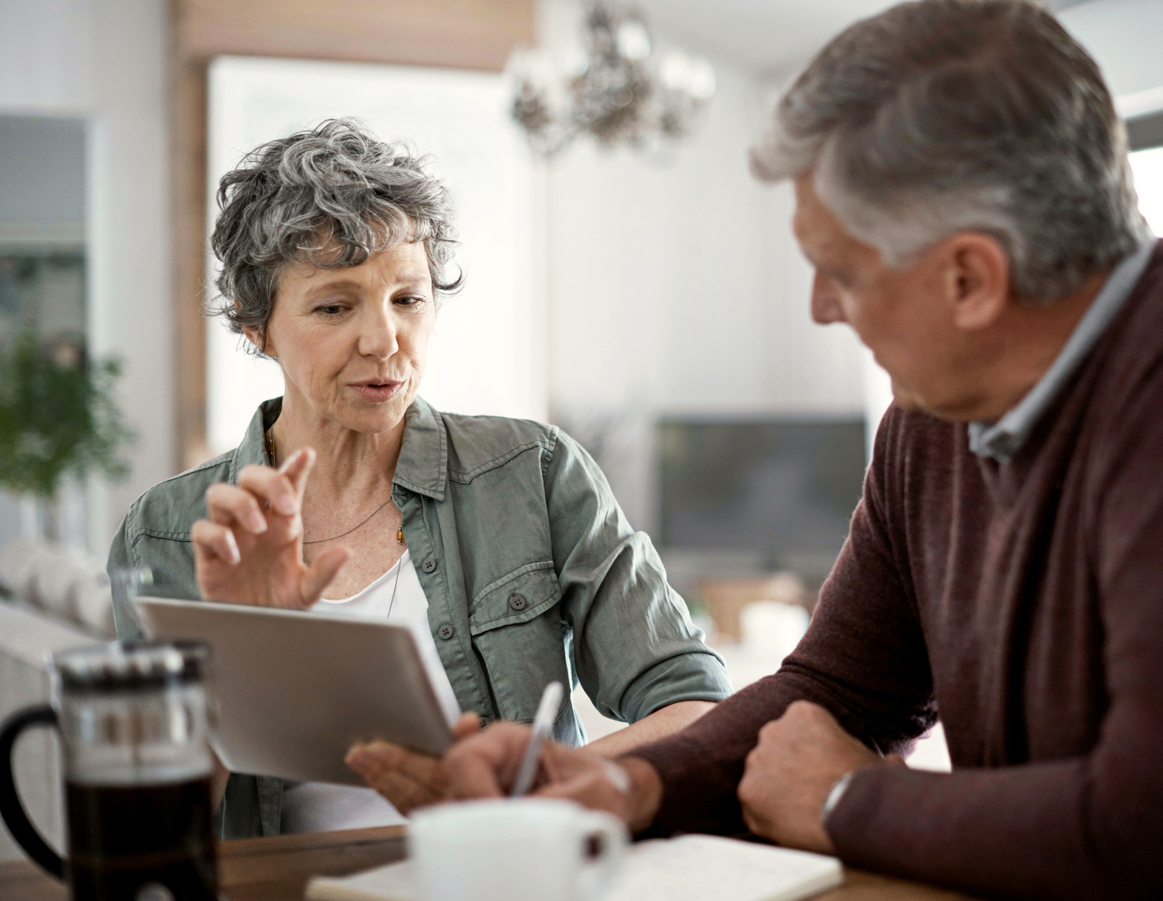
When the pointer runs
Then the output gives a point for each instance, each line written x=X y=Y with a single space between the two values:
x=297 y=689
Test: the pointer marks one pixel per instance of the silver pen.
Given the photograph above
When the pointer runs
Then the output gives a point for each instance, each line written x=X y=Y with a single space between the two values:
x=542 y=723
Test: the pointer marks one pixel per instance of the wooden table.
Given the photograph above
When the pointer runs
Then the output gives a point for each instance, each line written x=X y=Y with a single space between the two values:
x=277 y=869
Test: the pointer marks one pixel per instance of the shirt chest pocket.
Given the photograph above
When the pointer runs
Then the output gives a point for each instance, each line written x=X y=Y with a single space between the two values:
x=516 y=630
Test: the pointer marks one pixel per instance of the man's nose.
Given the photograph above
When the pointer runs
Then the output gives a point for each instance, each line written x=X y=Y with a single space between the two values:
x=826 y=306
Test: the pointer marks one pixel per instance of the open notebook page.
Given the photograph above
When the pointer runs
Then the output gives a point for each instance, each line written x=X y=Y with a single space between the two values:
x=694 y=867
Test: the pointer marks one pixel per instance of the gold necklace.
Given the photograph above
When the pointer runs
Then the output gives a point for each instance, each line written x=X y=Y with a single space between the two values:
x=269 y=438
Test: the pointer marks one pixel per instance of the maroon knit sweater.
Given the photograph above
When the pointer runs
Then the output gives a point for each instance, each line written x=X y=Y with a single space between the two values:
x=1023 y=602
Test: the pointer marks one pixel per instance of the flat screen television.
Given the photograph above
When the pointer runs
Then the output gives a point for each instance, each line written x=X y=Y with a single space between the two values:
x=782 y=487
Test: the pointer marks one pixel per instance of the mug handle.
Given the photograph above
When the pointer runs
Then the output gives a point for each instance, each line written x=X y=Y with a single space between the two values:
x=11 y=809
x=604 y=841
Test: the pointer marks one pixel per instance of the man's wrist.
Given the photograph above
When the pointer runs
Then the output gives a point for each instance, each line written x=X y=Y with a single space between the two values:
x=644 y=794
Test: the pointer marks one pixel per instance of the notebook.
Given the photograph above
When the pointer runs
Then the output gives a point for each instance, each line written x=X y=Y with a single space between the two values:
x=694 y=867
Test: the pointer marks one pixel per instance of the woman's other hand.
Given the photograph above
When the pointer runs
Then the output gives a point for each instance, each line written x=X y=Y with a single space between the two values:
x=250 y=548
x=406 y=778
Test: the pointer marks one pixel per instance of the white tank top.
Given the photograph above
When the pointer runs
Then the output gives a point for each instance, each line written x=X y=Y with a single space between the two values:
x=321 y=806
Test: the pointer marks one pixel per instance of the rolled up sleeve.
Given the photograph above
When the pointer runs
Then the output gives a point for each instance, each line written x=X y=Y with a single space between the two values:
x=635 y=649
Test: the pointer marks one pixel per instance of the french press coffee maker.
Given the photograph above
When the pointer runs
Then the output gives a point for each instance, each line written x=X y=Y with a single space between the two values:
x=137 y=767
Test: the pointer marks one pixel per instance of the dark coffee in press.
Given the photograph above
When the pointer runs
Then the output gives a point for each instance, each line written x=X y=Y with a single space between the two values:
x=150 y=842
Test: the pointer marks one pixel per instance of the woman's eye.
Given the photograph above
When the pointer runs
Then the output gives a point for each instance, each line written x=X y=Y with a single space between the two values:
x=411 y=300
x=330 y=309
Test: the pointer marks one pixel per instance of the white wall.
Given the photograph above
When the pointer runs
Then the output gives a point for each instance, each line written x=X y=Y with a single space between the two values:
x=681 y=287
x=104 y=60
x=1123 y=36
x=678 y=289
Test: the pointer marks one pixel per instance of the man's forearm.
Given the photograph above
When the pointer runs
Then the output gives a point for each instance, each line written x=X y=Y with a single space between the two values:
x=1065 y=829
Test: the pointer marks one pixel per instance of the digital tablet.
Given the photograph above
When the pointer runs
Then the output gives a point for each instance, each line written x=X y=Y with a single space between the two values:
x=296 y=689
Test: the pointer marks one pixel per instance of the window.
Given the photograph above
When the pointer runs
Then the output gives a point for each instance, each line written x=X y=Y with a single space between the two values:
x=1148 y=168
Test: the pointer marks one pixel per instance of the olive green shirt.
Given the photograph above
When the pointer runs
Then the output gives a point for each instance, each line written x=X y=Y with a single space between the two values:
x=531 y=572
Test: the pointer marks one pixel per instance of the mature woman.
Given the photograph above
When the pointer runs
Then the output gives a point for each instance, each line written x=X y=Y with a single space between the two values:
x=499 y=537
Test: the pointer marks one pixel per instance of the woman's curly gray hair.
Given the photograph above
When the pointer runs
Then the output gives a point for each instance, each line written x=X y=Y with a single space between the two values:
x=331 y=197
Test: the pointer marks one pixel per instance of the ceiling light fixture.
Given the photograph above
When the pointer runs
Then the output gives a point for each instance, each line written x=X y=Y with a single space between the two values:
x=619 y=89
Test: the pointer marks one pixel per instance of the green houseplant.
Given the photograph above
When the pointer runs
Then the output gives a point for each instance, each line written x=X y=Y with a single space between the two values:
x=58 y=417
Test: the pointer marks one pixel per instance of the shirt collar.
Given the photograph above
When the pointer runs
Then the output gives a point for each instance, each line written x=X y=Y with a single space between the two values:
x=423 y=463
x=1004 y=438
x=253 y=448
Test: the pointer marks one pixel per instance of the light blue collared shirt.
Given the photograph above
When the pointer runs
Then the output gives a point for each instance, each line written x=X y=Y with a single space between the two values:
x=1004 y=438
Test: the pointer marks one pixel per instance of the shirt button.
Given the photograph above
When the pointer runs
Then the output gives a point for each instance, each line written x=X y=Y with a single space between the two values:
x=517 y=601
x=429 y=565
x=446 y=631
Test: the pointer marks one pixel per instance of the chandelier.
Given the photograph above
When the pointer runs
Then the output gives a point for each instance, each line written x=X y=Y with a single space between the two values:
x=618 y=88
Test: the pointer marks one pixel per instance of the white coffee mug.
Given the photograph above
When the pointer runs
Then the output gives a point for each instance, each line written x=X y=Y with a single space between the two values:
x=529 y=848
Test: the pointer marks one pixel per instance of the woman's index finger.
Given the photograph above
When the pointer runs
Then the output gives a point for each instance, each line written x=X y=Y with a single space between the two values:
x=272 y=486
x=297 y=467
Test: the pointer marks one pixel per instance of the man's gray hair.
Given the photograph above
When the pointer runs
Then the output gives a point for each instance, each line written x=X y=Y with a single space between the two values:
x=331 y=197
x=942 y=116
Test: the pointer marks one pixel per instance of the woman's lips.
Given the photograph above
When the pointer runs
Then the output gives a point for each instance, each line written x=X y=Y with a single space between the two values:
x=378 y=392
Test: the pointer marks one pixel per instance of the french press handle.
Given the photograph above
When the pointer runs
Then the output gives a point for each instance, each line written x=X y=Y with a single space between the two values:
x=12 y=811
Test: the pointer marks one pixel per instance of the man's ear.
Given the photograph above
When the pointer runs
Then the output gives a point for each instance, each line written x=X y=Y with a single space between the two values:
x=977 y=274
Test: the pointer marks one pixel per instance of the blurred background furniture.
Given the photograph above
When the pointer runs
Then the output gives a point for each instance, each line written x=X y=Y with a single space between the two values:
x=727 y=599
x=56 y=599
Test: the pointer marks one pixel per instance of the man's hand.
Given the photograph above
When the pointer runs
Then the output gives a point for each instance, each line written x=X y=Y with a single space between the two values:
x=486 y=765
x=406 y=778
x=788 y=775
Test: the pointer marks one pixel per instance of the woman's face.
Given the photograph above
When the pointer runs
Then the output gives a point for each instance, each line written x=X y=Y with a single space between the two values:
x=353 y=342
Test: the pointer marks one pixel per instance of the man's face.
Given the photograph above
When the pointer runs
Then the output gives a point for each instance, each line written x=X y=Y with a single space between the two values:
x=900 y=314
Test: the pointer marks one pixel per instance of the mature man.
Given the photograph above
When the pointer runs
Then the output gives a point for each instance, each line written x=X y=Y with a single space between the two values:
x=963 y=192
